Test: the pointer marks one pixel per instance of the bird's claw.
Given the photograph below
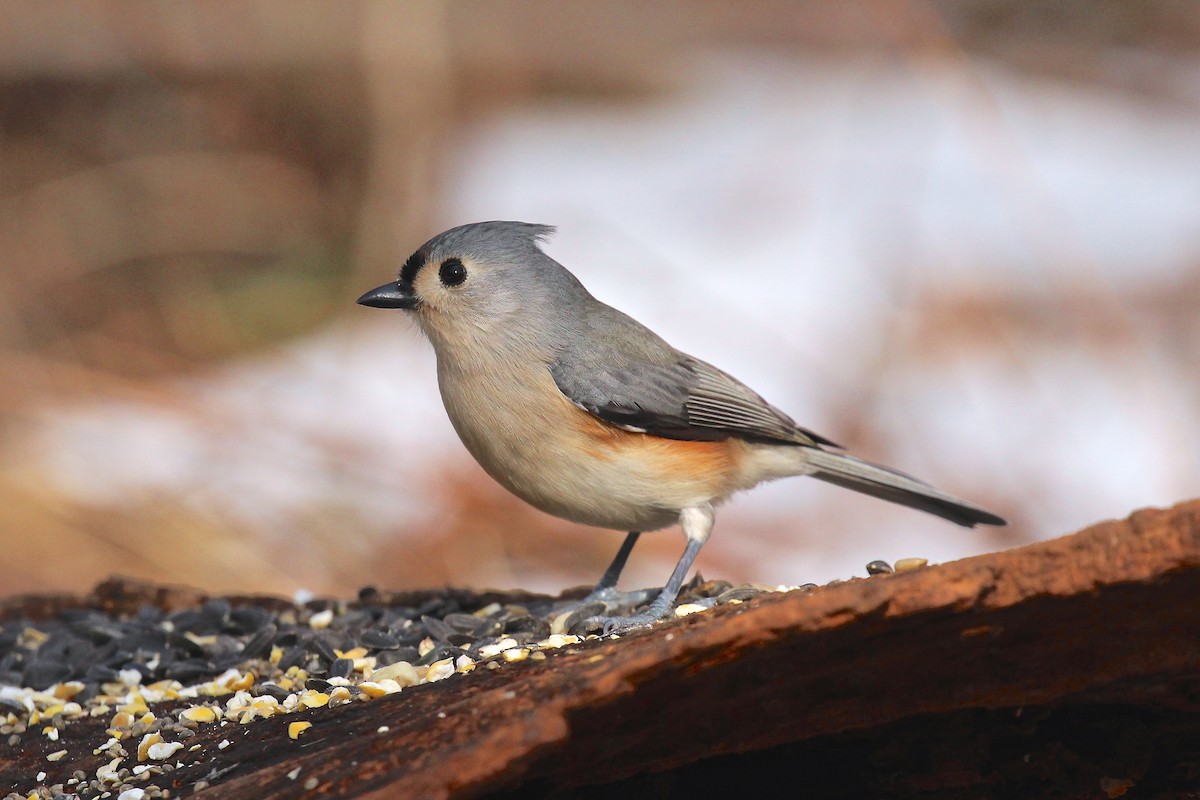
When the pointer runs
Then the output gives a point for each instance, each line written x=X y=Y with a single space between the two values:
x=607 y=626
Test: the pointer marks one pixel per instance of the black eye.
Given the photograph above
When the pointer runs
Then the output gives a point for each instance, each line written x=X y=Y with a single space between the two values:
x=452 y=272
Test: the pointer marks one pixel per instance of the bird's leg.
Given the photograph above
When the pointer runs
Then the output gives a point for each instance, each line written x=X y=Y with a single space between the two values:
x=613 y=573
x=606 y=590
x=697 y=522
x=606 y=595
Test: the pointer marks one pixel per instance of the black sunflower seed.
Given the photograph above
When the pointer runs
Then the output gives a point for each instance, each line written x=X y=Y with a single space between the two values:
x=247 y=619
x=43 y=672
x=274 y=690
x=527 y=623
x=437 y=629
x=296 y=657
x=378 y=640
x=188 y=670
x=463 y=623
x=387 y=657
x=737 y=593
x=259 y=645
x=323 y=649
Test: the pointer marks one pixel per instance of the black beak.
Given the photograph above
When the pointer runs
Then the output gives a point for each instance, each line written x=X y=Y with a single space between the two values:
x=397 y=294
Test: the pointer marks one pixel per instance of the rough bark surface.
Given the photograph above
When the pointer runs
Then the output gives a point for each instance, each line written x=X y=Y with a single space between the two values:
x=1065 y=668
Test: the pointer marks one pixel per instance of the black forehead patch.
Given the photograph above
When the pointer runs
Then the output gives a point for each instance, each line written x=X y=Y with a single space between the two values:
x=408 y=272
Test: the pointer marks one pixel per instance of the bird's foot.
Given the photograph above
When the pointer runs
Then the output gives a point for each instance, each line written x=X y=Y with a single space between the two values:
x=615 y=600
x=610 y=611
x=602 y=601
x=605 y=625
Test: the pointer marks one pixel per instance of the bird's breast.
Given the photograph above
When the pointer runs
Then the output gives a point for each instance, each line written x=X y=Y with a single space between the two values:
x=563 y=460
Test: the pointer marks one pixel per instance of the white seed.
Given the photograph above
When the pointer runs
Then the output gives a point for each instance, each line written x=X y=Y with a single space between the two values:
x=559 y=624
x=108 y=772
x=689 y=608
x=439 y=670
x=401 y=672
x=163 y=750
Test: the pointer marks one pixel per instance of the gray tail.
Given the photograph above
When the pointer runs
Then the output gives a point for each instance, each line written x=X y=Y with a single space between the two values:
x=896 y=487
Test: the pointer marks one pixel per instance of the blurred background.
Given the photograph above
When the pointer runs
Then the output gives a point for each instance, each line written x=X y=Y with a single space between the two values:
x=961 y=238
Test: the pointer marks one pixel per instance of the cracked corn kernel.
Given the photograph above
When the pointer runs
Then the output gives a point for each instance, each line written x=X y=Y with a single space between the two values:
x=147 y=741
x=67 y=690
x=313 y=699
x=199 y=714
x=297 y=728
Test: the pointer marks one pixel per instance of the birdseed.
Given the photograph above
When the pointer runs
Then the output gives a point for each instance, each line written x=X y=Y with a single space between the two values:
x=235 y=662
x=297 y=728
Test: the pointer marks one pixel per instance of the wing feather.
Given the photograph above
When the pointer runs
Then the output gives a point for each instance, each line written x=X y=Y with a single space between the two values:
x=684 y=398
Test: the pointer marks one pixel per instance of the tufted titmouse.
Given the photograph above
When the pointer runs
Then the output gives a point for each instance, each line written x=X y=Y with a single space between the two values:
x=587 y=414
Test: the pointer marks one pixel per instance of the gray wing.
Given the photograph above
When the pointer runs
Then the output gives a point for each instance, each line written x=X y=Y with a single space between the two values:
x=683 y=398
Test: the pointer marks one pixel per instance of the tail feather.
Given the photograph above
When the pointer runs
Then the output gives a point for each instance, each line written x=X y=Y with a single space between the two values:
x=888 y=484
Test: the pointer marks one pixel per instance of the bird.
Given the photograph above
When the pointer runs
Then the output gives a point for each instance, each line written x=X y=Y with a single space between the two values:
x=587 y=414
